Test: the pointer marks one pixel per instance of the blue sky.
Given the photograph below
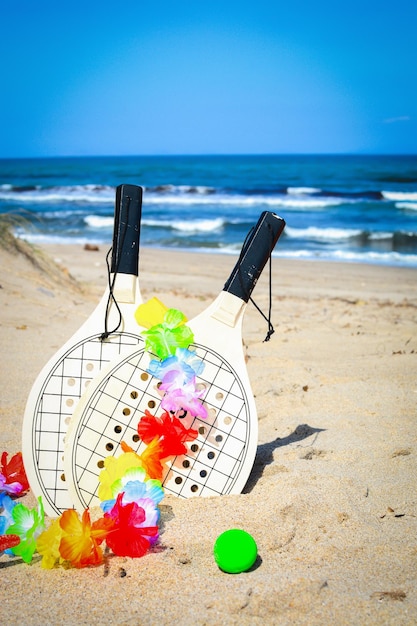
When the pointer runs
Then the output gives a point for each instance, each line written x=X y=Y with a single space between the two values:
x=191 y=77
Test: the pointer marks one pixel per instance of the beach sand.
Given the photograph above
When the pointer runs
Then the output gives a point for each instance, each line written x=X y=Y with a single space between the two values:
x=331 y=501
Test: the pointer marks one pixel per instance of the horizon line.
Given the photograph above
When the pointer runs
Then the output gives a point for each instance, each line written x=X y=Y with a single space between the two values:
x=212 y=154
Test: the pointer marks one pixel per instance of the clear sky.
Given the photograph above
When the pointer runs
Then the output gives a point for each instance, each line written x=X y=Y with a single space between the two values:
x=207 y=77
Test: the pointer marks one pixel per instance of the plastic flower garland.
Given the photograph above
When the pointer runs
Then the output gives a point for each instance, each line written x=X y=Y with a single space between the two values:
x=163 y=339
x=130 y=536
x=168 y=431
x=135 y=488
x=81 y=539
x=129 y=524
x=130 y=487
x=168 y=337
x=178 y=367
x=13 y=478
x=6 y=520
x=27 y=525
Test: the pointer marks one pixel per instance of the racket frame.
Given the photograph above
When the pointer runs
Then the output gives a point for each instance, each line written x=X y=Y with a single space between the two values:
x=61 y=382
x=110 y=410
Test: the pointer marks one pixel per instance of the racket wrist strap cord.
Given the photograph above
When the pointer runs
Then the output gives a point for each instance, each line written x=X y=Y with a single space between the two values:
x=110 y=300
x=256 y=251
x=124 y=251
x=271 y=328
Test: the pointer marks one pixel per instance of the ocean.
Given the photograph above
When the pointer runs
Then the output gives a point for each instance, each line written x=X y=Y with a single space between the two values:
x=337 y=208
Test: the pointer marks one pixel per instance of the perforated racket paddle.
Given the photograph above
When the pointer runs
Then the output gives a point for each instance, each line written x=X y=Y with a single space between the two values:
x=219 y=461
x=109 y=331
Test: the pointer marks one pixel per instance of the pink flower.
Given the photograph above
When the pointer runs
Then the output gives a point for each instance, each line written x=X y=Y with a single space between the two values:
x=185 y=398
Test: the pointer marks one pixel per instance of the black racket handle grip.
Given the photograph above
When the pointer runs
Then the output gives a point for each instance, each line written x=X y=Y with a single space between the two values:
x=256 y=251
x=126 y=234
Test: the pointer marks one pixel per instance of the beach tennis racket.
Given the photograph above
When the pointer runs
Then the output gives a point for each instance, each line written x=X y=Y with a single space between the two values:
x=109 y=331
x=219 y=461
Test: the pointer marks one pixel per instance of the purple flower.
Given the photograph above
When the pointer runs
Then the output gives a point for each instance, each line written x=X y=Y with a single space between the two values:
x=185 y=398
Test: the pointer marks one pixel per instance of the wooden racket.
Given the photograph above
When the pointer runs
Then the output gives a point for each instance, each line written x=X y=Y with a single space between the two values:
x=219 y=461
x=109 y=331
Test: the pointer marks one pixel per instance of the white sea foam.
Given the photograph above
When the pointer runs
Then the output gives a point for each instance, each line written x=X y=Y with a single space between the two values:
x=98 y=221
x=380 y=236
x=311 y=203
x=302 y=190
x=201 y=189
x=189 y=189
x=198 y=225
x=62 y=214
x=411 y=206
x=377 y=258
x=74 y=193
x=400 y=196
x=222 y=199
x=313 y=232
x=383 y=258
x=297 y=198
x=43 y=238
x=189 y=226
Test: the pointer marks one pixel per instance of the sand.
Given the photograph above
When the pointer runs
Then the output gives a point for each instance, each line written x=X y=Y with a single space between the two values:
x=331 y=501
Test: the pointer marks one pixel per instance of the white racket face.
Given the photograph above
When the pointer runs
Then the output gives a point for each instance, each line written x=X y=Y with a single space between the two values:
x=57 y=398
x=112 y=407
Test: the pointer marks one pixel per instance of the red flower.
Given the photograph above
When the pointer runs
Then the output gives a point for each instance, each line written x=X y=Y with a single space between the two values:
x=168 y=430
x=129 y=536
x=14 y=472
x=8 y=541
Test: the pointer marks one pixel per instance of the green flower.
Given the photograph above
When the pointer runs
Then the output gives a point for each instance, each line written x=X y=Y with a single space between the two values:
x=28 y=525
x=163 y=339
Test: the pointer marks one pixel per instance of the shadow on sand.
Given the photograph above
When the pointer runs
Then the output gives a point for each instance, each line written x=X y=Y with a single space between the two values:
x=265 y=452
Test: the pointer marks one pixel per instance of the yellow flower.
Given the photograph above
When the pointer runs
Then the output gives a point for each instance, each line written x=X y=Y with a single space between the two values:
x=150 y=313
x=114 y=469
x=47 y=544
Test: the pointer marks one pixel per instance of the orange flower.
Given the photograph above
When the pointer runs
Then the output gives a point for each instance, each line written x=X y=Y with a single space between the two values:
x=80 y=544
x=149 y=460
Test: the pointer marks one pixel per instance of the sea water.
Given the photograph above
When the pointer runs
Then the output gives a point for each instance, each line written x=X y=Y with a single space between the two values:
x=338 y=208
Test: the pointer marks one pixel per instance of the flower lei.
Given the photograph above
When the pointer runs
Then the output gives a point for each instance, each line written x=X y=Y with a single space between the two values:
x=130 y=487
x=129 y=525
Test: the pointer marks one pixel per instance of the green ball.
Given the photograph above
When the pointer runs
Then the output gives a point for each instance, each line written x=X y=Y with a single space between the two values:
x=235 y=551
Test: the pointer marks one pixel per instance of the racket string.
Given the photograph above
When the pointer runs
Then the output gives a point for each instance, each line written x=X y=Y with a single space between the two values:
x=212 y=467
x=111 y=282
